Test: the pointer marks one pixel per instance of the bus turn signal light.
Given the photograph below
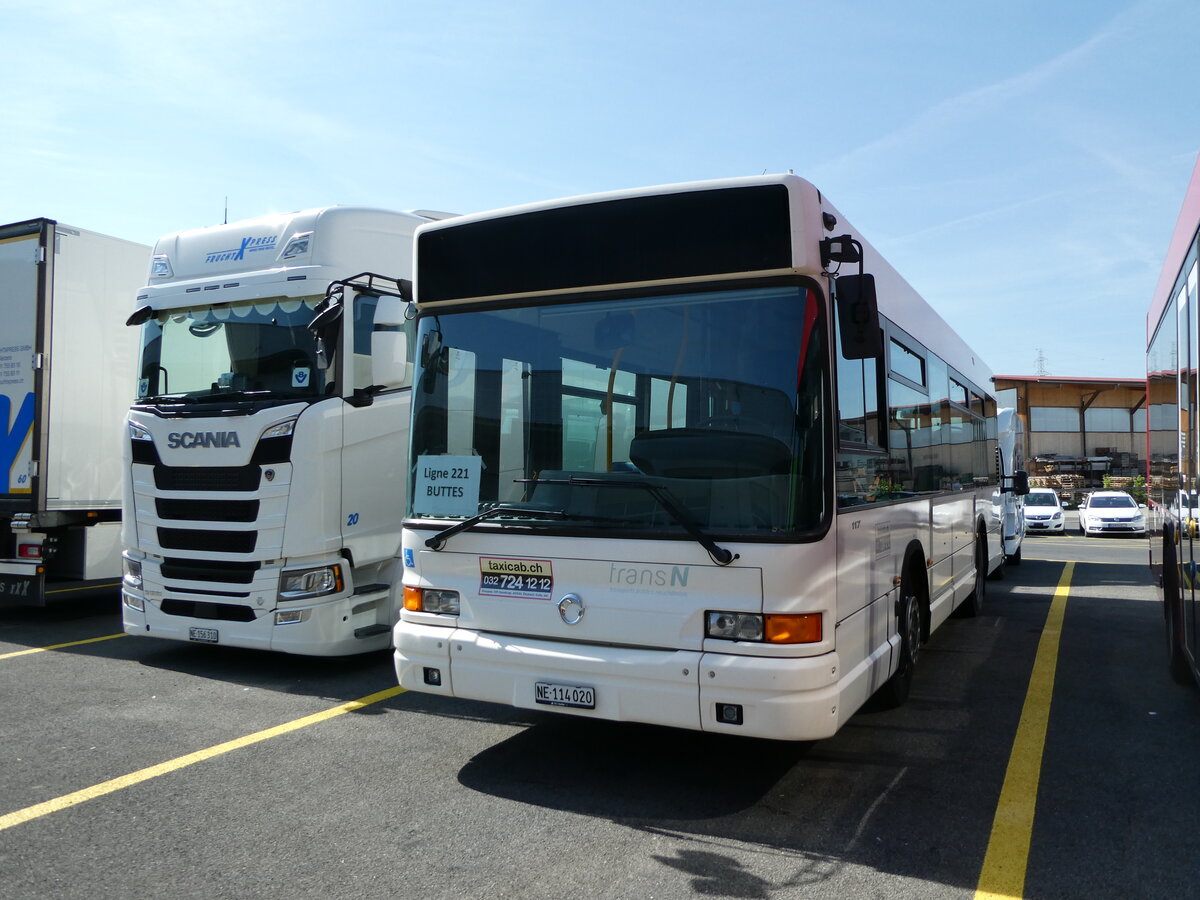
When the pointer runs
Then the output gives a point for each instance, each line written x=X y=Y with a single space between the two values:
x=412 y=599
x=800 y=628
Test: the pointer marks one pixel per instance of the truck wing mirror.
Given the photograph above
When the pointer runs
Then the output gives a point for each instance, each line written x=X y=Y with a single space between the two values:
x=858 y=317
x=1020 y=482
x=140 y=315
x=390 y=310
x=389 y=356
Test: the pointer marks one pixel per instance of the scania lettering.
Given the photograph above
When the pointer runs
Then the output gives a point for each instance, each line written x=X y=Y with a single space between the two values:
x=754 y=468
x=187 y=440
x=265 y=448
x=64 y=369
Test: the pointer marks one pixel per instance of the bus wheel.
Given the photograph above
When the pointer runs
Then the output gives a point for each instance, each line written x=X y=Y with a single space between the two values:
x=1177 y=661
x=895 y=690
x=973 y=605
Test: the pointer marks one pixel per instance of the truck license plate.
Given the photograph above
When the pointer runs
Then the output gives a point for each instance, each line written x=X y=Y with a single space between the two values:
x=206 y=635
x=572 y=695
x=18 y=587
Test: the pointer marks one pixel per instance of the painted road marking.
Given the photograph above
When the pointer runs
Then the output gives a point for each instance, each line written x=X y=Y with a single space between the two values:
x=1004 y=864
x=107 y=637
x=107 y=787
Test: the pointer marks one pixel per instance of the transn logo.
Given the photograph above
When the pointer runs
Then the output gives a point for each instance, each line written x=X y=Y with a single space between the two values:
x=13 y=438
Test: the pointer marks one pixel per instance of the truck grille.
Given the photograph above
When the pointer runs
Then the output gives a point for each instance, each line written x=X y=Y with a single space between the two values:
x=208 y=510
x=207 y=478
x=201 y=609
x=215 y=570
x=215 y=541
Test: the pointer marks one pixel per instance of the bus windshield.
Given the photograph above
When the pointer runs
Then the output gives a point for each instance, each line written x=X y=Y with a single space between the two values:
x=251 y=349
x=650 y=414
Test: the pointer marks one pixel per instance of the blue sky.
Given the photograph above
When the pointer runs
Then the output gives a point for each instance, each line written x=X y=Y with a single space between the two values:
x=1021 y=163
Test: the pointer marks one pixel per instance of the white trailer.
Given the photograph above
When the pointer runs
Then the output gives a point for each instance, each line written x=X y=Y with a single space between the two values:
x=265 y=458
x=64 y=375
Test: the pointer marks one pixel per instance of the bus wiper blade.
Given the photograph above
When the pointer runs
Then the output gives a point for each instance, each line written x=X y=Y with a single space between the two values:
x=720 y=555
x=521 y=512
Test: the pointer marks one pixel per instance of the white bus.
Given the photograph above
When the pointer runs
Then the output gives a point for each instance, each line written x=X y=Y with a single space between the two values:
x=659 y=475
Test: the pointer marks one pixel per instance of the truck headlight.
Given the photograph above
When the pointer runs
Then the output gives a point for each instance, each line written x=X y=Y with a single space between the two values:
x=303 y=584
x=138 y=433
x=132 y=573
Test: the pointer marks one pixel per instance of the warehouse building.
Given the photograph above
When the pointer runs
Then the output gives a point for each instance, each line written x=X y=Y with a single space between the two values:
x=1080 y=433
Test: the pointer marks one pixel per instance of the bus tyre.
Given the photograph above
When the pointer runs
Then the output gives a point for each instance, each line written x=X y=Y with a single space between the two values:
x=973 y=605
x=1177 y=661
x=895 y=690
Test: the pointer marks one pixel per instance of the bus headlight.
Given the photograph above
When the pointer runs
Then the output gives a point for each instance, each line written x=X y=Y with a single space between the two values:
x=732 y=626
x=773 y=628
x=304 y=584
x=431 y=600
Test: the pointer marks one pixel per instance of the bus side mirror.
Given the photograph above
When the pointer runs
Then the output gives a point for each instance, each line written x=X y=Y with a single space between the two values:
x=389 y=344
x=858 y=317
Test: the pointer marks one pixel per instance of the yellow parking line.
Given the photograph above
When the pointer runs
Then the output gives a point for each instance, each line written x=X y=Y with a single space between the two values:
x=1004 y=864
x=107 y=637
x=171 y=765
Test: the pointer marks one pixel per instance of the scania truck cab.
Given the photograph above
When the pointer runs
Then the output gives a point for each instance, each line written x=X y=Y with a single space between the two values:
x=265 y=460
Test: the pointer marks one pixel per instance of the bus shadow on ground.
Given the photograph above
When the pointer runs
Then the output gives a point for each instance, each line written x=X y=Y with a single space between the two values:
x=625 y=771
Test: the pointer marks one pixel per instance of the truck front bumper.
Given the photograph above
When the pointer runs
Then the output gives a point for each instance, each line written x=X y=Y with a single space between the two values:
x=333 y=628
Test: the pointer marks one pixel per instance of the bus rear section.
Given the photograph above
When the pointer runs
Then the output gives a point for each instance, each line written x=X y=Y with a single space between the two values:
x=657 y=476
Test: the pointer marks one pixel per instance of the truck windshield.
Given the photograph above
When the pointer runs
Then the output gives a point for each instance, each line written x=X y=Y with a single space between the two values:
x=256 y=348
x=595 y=409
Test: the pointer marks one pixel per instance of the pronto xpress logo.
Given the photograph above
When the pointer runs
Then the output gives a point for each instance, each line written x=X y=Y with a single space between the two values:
x=248 y=245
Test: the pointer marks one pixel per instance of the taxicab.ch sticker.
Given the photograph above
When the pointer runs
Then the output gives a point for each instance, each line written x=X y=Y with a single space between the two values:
x=531 y=579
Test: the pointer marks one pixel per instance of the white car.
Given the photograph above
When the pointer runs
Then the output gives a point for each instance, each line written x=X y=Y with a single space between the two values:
x=1043 y=510
x=1110 y=512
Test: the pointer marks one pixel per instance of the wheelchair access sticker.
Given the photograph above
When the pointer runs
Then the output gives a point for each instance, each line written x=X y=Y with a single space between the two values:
x=531 y=579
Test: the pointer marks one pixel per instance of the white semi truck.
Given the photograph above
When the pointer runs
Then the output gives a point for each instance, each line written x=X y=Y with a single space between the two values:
x=265 y=453
x=1009 y=498
x=64 y=369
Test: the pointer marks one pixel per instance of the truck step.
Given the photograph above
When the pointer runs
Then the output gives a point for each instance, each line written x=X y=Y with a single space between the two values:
x=370 y=631
x=371 y=589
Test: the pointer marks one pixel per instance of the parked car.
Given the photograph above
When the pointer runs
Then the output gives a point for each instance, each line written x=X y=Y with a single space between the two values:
x=1043 y=510
x=1110 y=512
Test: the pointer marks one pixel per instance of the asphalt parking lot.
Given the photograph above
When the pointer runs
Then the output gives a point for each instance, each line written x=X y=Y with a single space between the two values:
x=137 y=767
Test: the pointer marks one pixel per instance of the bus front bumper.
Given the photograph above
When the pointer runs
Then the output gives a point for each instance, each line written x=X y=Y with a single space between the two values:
x=762 y=697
